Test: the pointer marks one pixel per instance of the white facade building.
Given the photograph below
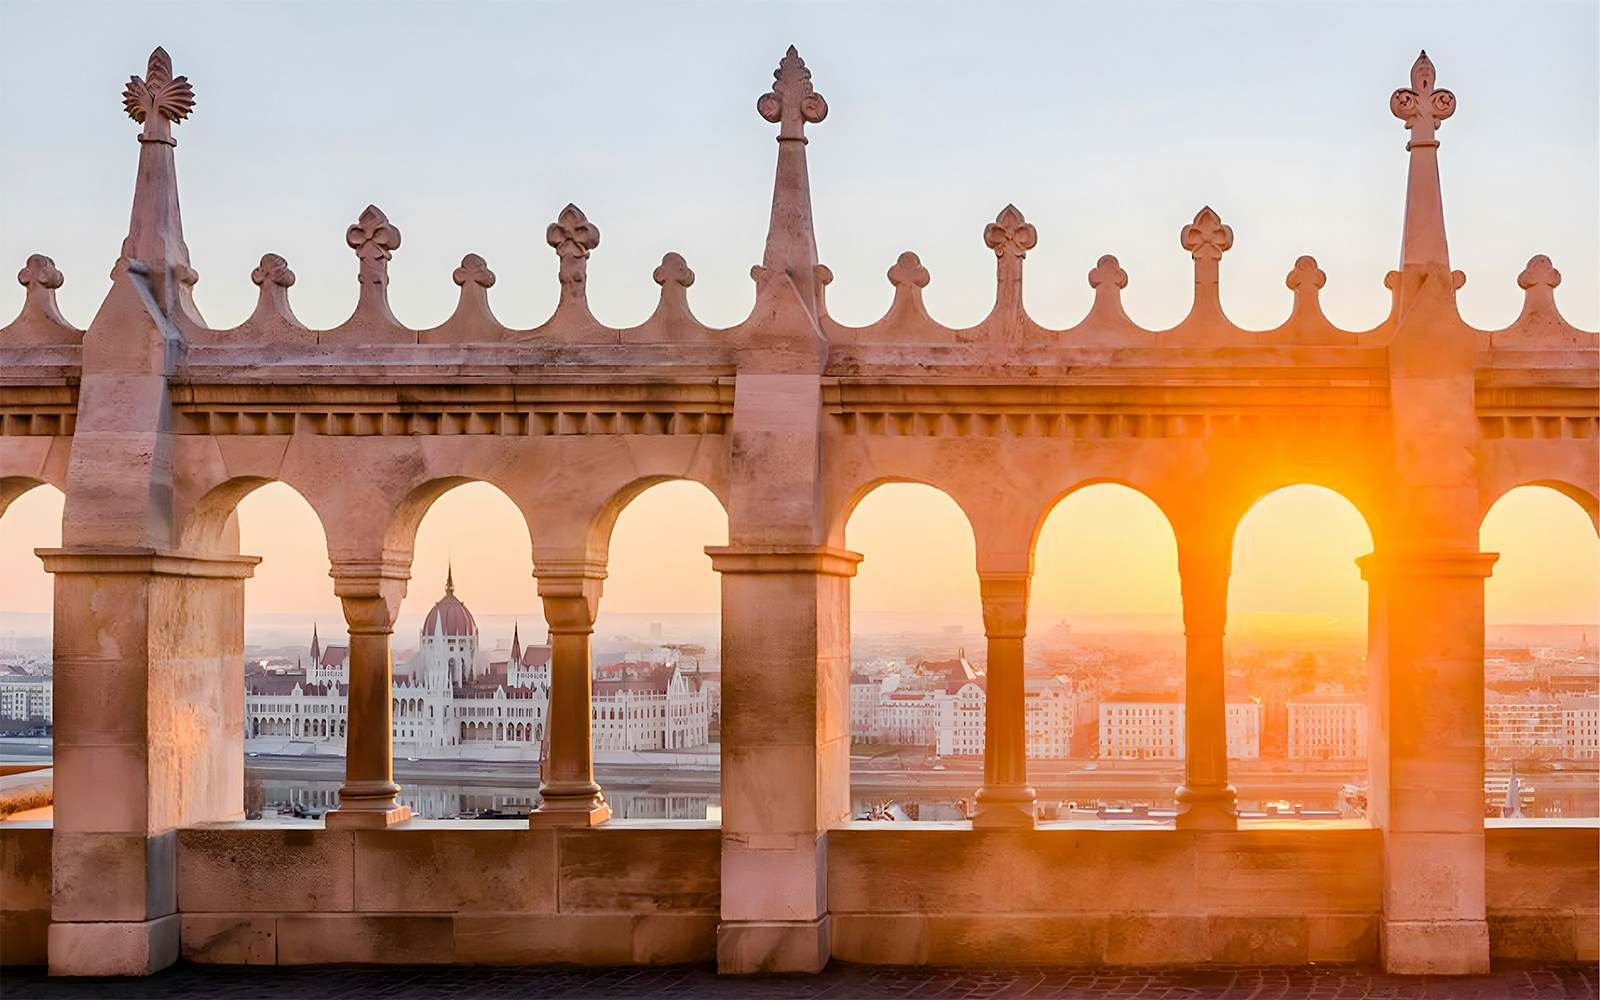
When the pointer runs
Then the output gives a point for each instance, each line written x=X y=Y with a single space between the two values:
x=1150 y=727
x=1580 y=725
x=24 y=697
x=941 y=706
x=1328 y=726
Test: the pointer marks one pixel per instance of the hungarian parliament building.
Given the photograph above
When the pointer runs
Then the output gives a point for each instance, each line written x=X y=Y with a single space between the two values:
x=454 y=700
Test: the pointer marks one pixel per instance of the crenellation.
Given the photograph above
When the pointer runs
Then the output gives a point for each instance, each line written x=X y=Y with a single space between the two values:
x=40 y=323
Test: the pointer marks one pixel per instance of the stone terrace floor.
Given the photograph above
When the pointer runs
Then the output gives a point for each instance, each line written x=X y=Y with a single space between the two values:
x=838 y=982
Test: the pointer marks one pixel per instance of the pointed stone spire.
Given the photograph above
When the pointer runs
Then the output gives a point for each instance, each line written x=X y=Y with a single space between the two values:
x=449 y=580
x=516 y=644
x=316 y=646
x=154 y=245
x=791 y=240
x=1423 y=107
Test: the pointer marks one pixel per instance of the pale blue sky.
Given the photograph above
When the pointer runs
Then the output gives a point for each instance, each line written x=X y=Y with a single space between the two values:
x=1108 y=125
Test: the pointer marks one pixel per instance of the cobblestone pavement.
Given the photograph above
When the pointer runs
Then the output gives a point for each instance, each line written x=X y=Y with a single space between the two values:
x=838 y=982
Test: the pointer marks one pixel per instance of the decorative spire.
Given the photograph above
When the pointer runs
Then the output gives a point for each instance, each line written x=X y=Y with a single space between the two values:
x=154 y=246
x=158 y=101
x=572 y=236
x=316 y=647
x=449 y=580
x=791 y=241
x=1010 y=236
x=1422 y=108
x=40 y=321
x=374 y=239
x=516 y=644
x=791 y=102
x=1207 y=239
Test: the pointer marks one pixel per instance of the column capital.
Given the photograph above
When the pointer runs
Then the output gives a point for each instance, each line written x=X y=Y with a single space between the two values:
x=821 y=560
x=1463 y=563
x=105 y=559
x=370 y=591
x=570 y=590
x=1005 y=603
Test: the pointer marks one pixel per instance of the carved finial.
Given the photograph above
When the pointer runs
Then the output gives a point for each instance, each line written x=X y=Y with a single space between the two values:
x=791 y=102
x=673 y=270
x=374 y=239
x=159 y=100
x=1010 y=234
x=1306 y=275
x=1539 y=273
x=573 y=236
x=1207 y=238
x=1420 y=106
x=908 y=272
x=40 y=272
x=473 y=270
x=273 y=270
x=1108 y=273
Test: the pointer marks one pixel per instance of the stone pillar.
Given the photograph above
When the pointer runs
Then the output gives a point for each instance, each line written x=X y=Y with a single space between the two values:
x=785 y=749
x=1206 y=801
x=149 y=729
x=369 y=798
x=1006 y=798
x=1427 y=758
x=571 y=595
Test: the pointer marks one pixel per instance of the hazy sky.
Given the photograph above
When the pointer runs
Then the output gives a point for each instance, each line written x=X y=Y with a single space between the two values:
x=1108 y=125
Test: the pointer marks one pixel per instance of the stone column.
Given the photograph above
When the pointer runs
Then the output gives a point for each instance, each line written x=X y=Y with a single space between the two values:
x=1426 y=751
x=149 y=729
x=785 y=749
x=571 y=595
x=1206 y=801
x=369 y=798
x=1006 y=798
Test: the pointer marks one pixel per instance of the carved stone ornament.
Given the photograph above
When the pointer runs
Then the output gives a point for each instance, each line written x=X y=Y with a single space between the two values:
x=41 y=272
x=1539 y=272
x=572 y=236
x=1010 y=235
x=1108 y=272
x=273 y=270
x=1420 y=106
x=374 y=239
x=673 y=270
x=1207 y=238
x=909 y=272
x=158 y=100
x=791 y=102
x=473 y=270
x=1306 y=274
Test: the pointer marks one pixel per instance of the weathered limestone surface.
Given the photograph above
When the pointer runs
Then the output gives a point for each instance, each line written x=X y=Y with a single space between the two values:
x=156 y=425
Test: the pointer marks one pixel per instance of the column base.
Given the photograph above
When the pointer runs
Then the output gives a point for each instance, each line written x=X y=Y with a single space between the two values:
x=365 y=819
x=589 y=815
x=1435 y=947
x=749 y=946
x=1005 y=807
x=119 y=948
x=1208 y=808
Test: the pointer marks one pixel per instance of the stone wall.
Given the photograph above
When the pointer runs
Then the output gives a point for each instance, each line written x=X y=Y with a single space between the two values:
x=1542 y=889
x=24 y=892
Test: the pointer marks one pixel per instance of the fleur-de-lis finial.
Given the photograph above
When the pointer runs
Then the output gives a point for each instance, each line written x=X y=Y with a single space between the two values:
x=473 y=270
x=374 y=239
x=1010 y=235
x=908 y=272
x=159 y=100
x=1207 y=238
x=791 y=102
x=572 y=236
x=1421 y=106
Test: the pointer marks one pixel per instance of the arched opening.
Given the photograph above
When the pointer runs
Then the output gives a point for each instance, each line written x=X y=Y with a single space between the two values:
x=1541 y=672
x=30 y=518
x=294 y=629
x=1105 y=671
x=917 y=656
x=1297 y=655
x=469 y=625
x=659 y=634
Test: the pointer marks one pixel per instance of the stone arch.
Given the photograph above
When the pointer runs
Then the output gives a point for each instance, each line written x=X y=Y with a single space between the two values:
x=1586 y=500
x=1235 y=523
x=38 y=512
x=1156 y=499
x=211 y=526
x=13 y=487
x=604 y=522
x=839 y=518
x=1569 y=563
